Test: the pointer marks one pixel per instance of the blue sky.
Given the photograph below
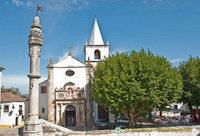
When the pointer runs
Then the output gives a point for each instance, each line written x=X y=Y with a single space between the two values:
x=169 y=28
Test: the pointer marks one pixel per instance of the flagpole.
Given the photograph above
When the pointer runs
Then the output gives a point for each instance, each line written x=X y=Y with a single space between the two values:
x=37 y=10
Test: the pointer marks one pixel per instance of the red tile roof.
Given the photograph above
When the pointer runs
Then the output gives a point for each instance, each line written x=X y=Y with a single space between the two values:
x=10 y=97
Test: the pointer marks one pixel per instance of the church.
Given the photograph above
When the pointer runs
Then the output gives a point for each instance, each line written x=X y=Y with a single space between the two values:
x=65 y=98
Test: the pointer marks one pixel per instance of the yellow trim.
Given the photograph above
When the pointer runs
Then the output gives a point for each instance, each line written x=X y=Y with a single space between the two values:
x=6 y=126
x=21 y=124
x=11 y=126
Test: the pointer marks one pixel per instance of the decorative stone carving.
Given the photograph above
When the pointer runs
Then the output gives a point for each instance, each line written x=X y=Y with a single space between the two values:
x=69 y=93
x=33 y=127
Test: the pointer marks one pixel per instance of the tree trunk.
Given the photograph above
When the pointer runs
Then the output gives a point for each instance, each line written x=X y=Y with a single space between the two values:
x=160 y=113
x=150 y=116
x=131 y=119
x=190 y=107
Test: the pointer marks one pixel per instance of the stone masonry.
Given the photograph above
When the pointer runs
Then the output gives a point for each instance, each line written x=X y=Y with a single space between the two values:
x=33 y=126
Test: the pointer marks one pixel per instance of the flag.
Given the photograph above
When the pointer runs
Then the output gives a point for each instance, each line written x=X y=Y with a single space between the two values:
x=39 y=8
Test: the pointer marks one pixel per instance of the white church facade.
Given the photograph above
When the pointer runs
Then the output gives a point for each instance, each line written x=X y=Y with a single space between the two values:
x=64 y=98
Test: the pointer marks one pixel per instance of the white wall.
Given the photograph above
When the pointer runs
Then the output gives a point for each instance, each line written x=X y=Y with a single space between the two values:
x=79 y=78
x=89 y=52
x=10 y=119
x=43 y=101
x=26 y=103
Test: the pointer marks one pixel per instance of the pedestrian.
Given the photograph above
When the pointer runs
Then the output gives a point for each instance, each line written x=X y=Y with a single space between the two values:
x=73 y=121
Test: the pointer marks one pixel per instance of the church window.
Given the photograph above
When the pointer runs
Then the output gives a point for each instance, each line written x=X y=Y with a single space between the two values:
x=43 y=110
x=6 y=108
x=43 y=89
x=97 y=54
x=70 y=73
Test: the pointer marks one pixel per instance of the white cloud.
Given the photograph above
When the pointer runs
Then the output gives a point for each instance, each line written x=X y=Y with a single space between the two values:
x=18 y=81
x=176 y=60
x=119 y=50
x=29 y=3
x=146 y=1
x=59 y=5
x=18 y=2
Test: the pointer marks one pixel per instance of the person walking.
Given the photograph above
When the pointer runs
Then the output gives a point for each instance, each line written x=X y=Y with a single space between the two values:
x=73 y=121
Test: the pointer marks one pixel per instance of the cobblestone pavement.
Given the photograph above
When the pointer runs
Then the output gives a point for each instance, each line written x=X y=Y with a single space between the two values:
x=10 y=131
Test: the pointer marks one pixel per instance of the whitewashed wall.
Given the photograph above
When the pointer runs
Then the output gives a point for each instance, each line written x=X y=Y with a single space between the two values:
x=26 y=103
x=43 y=100
x=7 y=119
x=69 y=63
x=89 y=52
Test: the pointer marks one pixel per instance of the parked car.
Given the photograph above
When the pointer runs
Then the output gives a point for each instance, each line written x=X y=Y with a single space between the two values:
x=122 y=120
x=121 y=125
x=102 y=124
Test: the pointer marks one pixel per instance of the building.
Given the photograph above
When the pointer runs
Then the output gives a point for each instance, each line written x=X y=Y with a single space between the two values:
x=11 y=110
x=65 y=98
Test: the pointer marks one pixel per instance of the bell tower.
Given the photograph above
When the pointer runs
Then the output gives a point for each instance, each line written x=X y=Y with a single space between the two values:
x=96 y=50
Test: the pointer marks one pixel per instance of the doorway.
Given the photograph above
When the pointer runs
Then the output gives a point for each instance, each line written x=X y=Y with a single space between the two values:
x=16 y=121
x=70 y=116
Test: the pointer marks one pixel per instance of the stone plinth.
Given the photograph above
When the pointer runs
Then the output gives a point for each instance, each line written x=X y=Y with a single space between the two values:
x=33 y=128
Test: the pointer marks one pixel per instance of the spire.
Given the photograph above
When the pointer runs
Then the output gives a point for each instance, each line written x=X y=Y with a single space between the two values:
x=36 y=22
x=96 y=38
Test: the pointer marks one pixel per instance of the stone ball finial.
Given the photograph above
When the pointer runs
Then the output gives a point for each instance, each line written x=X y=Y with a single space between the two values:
x=107 y=43
x=86 y=43
x=50 y=61
x=88 y=61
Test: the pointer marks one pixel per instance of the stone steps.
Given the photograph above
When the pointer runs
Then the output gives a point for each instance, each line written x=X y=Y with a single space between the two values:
x=51 y=127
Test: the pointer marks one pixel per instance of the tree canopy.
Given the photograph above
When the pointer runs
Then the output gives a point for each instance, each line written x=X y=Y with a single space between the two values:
x=134 y=83
x=190 y=71
x=12 y=90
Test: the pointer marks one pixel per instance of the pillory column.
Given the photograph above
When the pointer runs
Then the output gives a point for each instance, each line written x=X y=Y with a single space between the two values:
x=33 y=126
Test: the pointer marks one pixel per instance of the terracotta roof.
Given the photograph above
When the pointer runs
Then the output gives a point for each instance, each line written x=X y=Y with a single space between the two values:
x=10 y=97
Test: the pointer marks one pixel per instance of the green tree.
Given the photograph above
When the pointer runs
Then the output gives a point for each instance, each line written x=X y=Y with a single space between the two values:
x=134 y=83
x=190 y=71
x=12 y=90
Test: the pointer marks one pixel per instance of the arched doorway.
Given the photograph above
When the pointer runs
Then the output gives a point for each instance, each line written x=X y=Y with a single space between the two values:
x=70 y=116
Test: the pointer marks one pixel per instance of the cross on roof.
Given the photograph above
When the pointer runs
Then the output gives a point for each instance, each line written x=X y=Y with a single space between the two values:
x=70 y=54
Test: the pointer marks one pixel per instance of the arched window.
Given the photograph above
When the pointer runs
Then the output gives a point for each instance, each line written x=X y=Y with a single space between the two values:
x=97 y=54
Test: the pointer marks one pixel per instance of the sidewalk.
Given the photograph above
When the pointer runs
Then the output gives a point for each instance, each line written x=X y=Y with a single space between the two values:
x=10 y=131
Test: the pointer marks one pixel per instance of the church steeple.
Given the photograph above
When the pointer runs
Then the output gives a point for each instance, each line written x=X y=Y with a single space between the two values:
x=96 y=50
x=96 y=38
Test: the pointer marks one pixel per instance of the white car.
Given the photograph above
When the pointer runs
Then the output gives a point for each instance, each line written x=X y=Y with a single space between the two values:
x=122 y=120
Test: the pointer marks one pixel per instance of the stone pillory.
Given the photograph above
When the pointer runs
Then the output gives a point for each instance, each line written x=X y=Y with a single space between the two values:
x=33 y=126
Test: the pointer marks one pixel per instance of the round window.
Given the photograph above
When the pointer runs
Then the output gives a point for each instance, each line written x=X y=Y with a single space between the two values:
x=70 y=73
